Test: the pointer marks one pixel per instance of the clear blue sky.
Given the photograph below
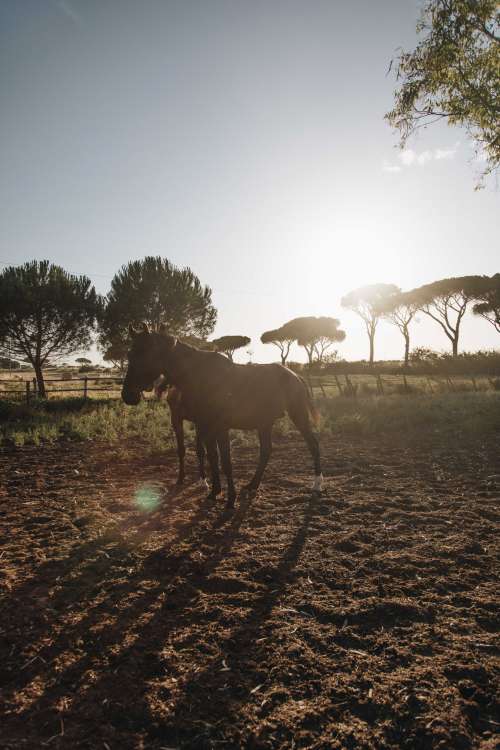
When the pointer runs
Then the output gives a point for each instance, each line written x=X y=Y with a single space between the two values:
x=244 y=139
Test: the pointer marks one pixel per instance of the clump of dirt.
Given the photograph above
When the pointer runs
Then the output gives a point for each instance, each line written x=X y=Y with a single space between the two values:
x=139 y=616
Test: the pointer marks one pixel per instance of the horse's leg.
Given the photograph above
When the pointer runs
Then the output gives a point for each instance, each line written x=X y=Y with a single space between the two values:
x=213 y=461
x=200 y=452
x=265 y=440
x=225 y=457
x=178 y=426
x=300 y=417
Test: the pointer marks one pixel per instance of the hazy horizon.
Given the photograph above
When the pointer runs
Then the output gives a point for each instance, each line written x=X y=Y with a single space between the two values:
x=245 y=141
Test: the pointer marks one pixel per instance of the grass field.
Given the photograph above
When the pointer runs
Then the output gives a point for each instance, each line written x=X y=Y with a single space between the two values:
x=77 y=419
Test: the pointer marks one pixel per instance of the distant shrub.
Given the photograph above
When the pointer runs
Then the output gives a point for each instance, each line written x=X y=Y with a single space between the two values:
x=423 y=361
x=297 y=367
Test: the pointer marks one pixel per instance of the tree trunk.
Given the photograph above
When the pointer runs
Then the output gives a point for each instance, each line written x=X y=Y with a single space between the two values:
x=407 y=347
x=455 y=344
x=283 y=360
x=39 y=380
x=372 y=346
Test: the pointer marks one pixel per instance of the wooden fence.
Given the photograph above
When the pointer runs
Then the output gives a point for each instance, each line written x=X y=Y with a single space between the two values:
x=325 y=386
x=110 y=385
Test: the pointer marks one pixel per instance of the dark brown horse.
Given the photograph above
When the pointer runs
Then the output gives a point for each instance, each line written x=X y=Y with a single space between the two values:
x=218 y=395
x=177 y=417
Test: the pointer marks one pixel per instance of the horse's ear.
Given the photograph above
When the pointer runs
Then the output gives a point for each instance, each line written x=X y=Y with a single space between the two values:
x=145 y=328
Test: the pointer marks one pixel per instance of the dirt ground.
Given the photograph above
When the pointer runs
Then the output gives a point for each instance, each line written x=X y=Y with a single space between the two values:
x=135 y=616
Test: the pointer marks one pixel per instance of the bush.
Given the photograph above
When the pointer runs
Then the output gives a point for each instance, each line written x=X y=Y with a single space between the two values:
x=85 y=419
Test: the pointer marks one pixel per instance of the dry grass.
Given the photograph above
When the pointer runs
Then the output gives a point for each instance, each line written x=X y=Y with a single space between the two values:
x=109 y=420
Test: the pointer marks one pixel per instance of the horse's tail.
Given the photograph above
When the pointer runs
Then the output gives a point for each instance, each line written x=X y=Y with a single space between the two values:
x=311 y=408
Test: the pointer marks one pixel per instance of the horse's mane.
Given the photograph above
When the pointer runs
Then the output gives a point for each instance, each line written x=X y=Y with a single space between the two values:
x=203 y=354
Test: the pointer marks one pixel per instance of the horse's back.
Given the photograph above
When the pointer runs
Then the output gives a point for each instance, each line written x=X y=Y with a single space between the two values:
x=250 y=396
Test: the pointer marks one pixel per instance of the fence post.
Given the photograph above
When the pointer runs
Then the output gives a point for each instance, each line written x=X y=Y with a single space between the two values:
x=339 y=385
x=380 y=386
x=85 y=386
x=430 y=386
x=351 y=390
x=406 y=383
x=35 y=390
x=474 y=383
x=348 y=385
x=28 y=384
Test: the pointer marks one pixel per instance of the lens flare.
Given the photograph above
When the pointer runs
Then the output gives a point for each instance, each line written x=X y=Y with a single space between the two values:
x=147 y=497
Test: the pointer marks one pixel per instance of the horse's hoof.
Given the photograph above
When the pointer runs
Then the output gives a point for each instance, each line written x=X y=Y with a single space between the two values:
x=317 y=487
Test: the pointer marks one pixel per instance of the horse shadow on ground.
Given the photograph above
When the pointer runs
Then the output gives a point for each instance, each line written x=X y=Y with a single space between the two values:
x=121 y=625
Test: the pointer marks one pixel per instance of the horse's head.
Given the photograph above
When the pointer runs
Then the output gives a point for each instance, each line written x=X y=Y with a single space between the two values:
x=146 y=361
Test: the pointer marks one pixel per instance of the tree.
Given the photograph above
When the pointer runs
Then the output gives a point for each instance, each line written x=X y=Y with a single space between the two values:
x=399 y=309
x=316 y=335
x=367 y=302
x=488 y=304
x=446 y=301
x=453 y=74
x=156 y=292
x=280 y=339
x=228 y=344
x=116 y=353
x=45 y=312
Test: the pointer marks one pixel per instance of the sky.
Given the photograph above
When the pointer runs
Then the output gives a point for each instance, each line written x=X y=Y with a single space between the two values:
x=244 y=139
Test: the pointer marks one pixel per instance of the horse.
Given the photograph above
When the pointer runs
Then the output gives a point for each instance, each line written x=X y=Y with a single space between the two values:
x=177 y=417
x=218 y=395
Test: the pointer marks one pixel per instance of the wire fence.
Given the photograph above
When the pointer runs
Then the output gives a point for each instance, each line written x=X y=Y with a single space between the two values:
x=368 y=384
x=325 y=386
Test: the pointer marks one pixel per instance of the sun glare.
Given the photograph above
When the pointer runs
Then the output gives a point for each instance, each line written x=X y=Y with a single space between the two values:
x=147 y=497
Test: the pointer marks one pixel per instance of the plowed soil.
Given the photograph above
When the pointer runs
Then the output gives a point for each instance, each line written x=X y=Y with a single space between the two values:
x=137 y=616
